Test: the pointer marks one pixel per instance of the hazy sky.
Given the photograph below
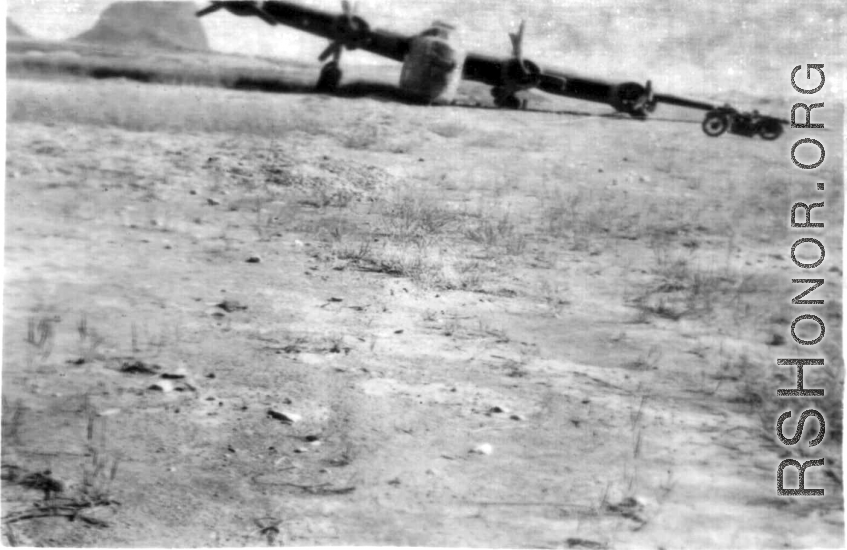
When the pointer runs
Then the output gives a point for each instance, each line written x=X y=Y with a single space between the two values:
x=683 y=45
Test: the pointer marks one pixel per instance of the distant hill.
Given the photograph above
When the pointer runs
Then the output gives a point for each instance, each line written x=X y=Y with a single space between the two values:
x=13 y=30
x=160 y=25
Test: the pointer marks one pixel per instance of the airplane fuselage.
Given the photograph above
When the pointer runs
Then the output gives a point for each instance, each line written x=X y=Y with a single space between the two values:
x=432 y=68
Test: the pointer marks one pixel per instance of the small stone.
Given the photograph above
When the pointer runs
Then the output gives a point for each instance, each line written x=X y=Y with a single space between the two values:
x=299 y=244
x=498 y=409
x=254 y=260
x=301 y=450
x=483 y=449
x=517 y=417
x=192 y=192
x=644 y=179
x=231 y=305
x=164 y=386
x=213 y=202
x=109 y=412
x=176 y=374
x=284 y=416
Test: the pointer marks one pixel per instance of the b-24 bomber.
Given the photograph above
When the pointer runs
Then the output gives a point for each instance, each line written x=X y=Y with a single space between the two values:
x=434 y=63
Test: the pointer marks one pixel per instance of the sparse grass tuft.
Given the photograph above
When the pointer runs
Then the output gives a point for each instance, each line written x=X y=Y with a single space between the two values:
x=12 y=420
x=89 y=340
x=497 y=232
x=416 y=218
x=41 y=335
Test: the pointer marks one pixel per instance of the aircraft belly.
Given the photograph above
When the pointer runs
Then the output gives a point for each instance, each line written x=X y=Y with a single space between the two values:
x=432 y=69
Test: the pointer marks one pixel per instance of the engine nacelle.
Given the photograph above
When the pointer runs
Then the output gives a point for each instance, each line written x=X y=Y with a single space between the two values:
x=633 y=98
x=432 y=69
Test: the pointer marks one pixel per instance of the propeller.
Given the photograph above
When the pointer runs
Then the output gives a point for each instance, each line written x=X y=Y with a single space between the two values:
x=241 y=9
x=633 y=98
x=649 y=98
x=350 y=32
x=520 y=73
x=517 y=42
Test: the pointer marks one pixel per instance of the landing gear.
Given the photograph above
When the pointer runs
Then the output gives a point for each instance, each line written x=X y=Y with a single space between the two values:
x=726 y=118
x=330 y=77
x=715 y=124
x=770 y=129
x=506 y=99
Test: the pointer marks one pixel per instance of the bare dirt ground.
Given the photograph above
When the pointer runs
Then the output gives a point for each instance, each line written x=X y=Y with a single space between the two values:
x=600 y=301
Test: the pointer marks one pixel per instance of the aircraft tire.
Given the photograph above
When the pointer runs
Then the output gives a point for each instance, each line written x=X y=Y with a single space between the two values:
x=770 y=130
x=330 y=78
x=508 y=102
x=715 y=124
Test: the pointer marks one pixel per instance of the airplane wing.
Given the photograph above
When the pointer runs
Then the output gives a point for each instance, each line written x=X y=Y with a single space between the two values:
x=506 y=75
x=345 y=30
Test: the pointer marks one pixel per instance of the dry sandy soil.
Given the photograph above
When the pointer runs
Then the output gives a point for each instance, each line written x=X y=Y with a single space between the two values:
x=600 y=300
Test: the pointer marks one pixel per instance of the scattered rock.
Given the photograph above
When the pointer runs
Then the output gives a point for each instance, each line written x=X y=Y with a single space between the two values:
x=254 y=260
x=630 y=508
x=44 y=481
x=483 y=449
x=139 y=367
x=163 y=386
x=231 y=305
x=176 y=374
x=284 y=416
x=574 y=542
x=213 y=202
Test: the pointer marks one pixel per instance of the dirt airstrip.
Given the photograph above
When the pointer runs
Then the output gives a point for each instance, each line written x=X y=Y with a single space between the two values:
x=236 y=319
